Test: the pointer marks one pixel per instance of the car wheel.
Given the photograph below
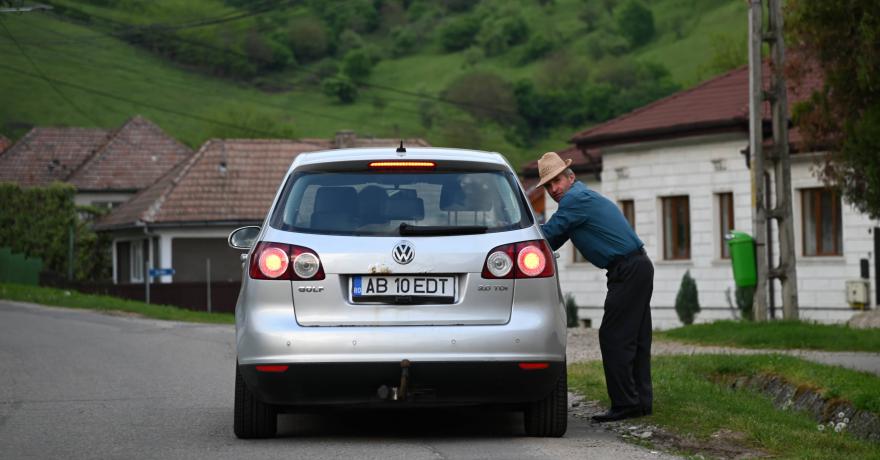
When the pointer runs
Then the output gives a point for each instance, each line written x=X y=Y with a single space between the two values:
x=253 y=419
x=549 y=416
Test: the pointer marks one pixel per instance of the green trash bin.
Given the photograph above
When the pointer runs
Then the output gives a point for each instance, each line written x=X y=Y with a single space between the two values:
x=742 y=257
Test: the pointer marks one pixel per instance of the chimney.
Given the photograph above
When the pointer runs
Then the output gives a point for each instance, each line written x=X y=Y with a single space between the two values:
x=345 y=139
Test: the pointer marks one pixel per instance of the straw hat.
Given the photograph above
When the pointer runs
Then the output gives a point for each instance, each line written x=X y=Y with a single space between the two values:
x=549 y=166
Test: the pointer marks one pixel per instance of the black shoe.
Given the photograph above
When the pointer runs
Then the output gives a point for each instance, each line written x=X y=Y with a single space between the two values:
x=619 y=414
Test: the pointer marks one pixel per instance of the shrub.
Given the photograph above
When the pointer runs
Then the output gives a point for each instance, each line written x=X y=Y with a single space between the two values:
x=687 y=302
x=460 y=33
x=403 y=41
x=340 y=87
x=571 y=310
x=308 y=39
x=357 y=64
x=537 y=46
x=635 y=21
x=37 y=222
x=484 y=95
x=501 y=33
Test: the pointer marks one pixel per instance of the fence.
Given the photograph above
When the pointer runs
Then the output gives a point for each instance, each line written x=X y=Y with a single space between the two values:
x=192 y=296
x=18 y=268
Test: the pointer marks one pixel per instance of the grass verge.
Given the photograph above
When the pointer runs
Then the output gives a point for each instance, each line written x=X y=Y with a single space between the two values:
x=777 y=335
x=687 y=402
x=74 y=299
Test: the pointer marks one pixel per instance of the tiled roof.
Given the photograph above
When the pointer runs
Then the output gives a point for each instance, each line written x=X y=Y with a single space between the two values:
x=225 y=181
x=580 y=163
x=719 y=103
x=45 y=155
x=4 y=143
x=135 y=156
x=129 y=158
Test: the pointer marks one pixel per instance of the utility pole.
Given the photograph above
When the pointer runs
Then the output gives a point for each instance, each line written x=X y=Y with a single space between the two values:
x=778 y=154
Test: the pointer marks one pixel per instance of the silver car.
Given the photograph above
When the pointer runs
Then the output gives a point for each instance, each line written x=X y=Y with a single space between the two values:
x=408 y=278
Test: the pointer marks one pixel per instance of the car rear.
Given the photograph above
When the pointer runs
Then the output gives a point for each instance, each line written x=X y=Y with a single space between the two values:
x=413 y=278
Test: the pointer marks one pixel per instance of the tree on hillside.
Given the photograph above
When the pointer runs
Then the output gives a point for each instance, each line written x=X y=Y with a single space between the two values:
x=840 y=37
x=635 y=21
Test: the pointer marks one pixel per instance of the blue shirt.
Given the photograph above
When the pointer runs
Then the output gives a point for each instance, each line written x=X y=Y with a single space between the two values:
x=594 y=224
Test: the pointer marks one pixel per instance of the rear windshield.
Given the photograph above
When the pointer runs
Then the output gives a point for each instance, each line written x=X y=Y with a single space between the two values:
x=382 y=203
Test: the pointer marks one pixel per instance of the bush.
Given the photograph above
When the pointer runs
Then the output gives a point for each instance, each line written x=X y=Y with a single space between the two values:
x=484 y=95
x=635 y=21
x=340 y=87
x=537 y=46
x=37 y=222
x=357 y=64
x=501 y=33
x=308 y=39
x=571 y=310
x=687 y=302
x=460 y=33
x=403 y=41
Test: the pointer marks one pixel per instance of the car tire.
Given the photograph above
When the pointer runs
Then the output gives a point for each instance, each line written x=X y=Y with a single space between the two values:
x=549 y=417
x=253 y=418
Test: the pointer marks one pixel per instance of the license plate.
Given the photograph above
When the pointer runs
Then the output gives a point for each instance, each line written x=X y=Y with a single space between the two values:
x=415 y=286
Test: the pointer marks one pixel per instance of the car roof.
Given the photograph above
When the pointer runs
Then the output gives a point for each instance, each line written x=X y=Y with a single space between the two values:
x=390 y=153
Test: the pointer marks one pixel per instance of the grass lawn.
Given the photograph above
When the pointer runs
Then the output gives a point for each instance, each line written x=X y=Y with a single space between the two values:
x=777 y=335
x=74 y=299
x=689 y=404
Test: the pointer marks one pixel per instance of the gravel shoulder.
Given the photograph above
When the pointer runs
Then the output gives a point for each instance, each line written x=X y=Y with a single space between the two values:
x=583 y=345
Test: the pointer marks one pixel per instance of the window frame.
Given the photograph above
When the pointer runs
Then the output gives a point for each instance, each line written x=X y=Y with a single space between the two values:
x=628 y=208
x=722 y=197
x=136 y=261
x=816 y=195
x=674 y=203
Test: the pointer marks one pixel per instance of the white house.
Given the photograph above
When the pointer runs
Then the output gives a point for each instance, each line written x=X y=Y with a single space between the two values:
x=677 y=169
x=182 y=220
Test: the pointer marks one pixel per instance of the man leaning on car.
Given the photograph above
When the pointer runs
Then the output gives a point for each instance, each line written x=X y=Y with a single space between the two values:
x=601 y=233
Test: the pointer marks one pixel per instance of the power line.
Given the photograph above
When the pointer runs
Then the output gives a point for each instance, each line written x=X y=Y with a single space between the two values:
x=460 y=104
x=43 y=76
x=80 y=58
x=140 y=103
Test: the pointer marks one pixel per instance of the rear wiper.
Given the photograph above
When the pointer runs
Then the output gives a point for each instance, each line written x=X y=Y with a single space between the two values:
x=407 y=229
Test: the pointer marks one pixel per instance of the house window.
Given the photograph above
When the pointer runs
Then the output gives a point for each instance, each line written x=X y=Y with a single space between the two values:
x=137 y=261
x=676 y=228
x=821 y=222
x=628 y=207
x=725 y=222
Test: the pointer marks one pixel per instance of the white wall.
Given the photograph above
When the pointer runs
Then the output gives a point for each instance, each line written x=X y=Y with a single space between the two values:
x=700 y=167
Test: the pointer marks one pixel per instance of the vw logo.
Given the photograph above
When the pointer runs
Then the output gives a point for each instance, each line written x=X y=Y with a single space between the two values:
x=403 y=253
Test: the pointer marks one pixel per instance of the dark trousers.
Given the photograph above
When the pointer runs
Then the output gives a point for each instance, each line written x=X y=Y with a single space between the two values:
x=625 y=334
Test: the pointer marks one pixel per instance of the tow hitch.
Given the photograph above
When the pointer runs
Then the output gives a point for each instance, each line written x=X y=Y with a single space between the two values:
x=397 y=393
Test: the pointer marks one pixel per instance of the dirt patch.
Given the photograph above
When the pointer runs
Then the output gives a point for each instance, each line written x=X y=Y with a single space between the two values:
x=123 y=314
x=723 y=444
x=865 y=320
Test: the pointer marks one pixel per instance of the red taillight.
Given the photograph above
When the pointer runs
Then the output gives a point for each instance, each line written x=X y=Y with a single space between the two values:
x=533 y=366
x=533 y=260
x=391 y=164
x=279 y=368
x=277 y=261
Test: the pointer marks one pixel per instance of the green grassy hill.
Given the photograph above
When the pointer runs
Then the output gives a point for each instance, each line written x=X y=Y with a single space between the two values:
x=233 y=68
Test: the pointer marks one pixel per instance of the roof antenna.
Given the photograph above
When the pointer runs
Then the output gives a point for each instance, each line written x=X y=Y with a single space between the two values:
x=401 y=149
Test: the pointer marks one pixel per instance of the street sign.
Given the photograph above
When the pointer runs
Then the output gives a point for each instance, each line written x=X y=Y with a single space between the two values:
x=161 y=271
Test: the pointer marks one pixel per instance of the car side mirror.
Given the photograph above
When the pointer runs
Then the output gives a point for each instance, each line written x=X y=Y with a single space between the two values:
x=244 y=237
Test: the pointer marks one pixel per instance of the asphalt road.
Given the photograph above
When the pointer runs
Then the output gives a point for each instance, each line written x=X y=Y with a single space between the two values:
x=79 y=384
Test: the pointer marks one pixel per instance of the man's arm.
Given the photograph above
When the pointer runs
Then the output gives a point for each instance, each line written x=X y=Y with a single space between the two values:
x=557 y=229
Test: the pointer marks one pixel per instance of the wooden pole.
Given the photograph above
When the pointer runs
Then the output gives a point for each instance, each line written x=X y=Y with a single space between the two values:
x=756 y=104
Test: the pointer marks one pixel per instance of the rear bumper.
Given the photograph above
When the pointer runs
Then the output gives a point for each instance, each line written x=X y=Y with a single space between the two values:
x=427 y=383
